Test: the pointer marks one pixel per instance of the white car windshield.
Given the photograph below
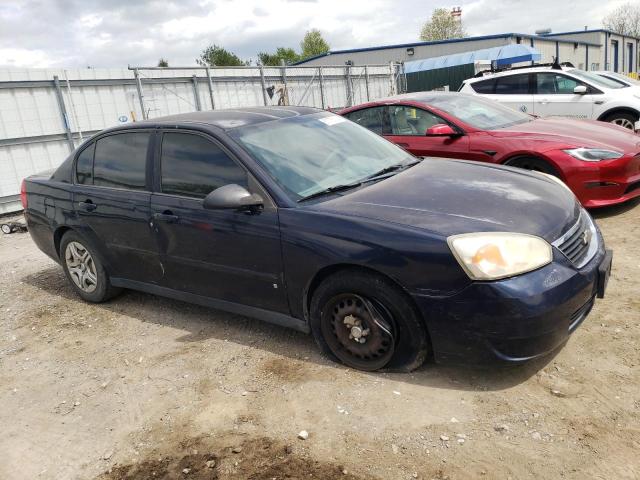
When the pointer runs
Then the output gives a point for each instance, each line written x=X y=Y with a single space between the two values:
x=479 y=112
x=309 y=154
x=594 y=79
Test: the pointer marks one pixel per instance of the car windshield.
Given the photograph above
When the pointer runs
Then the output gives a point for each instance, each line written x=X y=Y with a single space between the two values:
x=617 y=77
x=595 y=79
x=479 y=112
x=309 y=154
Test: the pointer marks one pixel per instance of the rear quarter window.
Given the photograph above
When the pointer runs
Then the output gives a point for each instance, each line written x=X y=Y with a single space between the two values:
x=484 y=86
x=84 y=166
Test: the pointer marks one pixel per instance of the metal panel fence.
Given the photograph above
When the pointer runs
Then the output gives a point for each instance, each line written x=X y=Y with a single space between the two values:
x=45 y=114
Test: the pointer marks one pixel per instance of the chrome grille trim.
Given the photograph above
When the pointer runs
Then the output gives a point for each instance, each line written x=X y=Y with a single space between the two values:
x=571 y=244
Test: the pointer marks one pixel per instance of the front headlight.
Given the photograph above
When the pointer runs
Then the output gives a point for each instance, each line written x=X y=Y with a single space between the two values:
x=593 y=154
x=495 y=255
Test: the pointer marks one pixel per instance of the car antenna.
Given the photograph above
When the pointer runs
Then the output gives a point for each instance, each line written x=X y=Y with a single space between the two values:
x=556 y=64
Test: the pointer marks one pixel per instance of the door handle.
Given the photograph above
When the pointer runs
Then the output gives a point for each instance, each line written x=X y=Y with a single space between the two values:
x=87 y=205
x=403 y=145
x=167 y=217
x=544 y=101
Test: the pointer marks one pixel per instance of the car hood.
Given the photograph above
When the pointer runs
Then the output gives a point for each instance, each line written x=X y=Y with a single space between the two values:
x=448 y=197
x=579 y=133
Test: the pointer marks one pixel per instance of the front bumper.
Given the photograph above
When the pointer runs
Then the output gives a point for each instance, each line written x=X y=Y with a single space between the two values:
x=601 y=184
x=516 y=319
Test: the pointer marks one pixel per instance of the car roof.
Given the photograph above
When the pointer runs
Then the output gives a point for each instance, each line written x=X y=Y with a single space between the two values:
x=231 y=118
x=422 y=97
x=514 y=71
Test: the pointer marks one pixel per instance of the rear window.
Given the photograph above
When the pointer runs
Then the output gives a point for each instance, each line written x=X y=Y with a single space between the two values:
x=485 y=86
x=120 y=161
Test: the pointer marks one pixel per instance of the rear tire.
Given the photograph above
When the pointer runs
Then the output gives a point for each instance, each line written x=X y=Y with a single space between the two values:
x=367 y=322
x=623 y=119
x=84 y=269
x=533 y=163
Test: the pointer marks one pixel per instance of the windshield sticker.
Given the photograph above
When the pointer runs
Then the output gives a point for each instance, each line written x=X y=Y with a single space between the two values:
x=332 y=120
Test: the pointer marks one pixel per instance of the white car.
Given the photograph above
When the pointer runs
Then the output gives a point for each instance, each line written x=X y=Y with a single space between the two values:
x=560 y=91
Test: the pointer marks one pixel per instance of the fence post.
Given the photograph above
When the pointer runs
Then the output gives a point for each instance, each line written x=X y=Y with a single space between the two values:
x=264 y=86
x=140 y=95
x=196 y=94
x=213 y=103
x=283 y=75
x=366 y=81
x=349 y=86
x=63 y=112
x=392 y=79
x=321 y=83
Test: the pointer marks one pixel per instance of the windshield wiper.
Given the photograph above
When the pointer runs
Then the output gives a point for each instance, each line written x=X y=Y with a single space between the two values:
x=335 y=188
x=392 y=168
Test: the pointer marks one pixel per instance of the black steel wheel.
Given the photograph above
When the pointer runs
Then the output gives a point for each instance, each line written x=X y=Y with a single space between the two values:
x=367 y=322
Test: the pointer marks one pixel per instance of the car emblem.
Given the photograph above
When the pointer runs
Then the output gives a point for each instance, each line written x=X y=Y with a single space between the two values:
x=523 y=108
x=586 y=236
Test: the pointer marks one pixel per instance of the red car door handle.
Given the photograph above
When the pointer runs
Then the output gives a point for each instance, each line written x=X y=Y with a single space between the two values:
x=403 y=145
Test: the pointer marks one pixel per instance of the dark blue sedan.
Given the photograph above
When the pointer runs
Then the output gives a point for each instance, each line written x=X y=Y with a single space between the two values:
x=302 y=218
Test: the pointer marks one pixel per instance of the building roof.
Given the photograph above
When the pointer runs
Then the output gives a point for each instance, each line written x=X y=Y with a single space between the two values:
x=594 y=30
x=440 y=42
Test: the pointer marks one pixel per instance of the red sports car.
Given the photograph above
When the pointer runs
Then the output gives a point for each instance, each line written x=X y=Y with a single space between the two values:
x=600 y=162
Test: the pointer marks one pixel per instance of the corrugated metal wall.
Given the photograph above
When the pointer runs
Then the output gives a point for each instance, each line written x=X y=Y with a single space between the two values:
x=39 y=122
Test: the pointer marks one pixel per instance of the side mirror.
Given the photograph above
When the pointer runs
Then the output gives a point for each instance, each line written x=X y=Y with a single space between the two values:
x=442 y=130
x=232 y=197
x=580 y=90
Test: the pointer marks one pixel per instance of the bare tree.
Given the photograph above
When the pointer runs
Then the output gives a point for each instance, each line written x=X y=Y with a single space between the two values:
x=442 y=26
x=624 y=20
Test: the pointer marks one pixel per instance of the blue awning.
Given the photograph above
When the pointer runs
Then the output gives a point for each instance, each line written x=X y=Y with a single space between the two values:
x=505 y=55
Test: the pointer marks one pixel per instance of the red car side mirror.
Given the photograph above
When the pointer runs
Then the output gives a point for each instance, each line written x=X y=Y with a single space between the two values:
x=441 y=129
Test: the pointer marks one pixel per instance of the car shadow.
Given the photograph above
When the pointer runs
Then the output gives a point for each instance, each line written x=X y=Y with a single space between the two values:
x=202 y=323
x=612 y=211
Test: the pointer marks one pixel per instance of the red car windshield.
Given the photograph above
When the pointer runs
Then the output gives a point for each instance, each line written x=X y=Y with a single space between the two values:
x=478 y=112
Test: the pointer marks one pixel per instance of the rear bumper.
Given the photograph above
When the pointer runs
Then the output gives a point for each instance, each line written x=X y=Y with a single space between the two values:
x=514 y=320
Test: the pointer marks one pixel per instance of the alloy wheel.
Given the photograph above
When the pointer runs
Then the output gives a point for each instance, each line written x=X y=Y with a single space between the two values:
x=623 y=122
x=81 y=267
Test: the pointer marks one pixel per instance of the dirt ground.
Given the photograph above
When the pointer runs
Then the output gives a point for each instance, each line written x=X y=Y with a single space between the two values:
x=144 y=387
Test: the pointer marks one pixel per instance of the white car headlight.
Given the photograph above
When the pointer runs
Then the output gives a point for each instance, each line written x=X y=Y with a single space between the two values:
x=495 y=255
x=593 y=154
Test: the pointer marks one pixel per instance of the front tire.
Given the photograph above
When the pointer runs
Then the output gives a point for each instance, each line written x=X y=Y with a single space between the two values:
x=367 y=322
x=84 y=269
x=533 y=163
x=623 y=119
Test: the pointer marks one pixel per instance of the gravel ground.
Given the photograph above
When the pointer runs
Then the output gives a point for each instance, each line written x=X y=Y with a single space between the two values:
x=145 y=387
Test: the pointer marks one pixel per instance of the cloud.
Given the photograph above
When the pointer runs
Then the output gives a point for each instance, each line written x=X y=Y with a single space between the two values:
x=125 y=32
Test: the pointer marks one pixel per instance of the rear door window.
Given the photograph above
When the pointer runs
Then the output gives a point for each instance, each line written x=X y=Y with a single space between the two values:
x=193 y=166
x=556 y=84
x=512 y=85
x=120 y=161
x=375 y=119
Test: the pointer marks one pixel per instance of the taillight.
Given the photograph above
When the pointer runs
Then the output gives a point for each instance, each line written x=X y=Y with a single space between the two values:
x=23 y=194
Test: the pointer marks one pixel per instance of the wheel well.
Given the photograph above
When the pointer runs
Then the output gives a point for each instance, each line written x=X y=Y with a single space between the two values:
x=628 y=110
x=326 y=272
x=57 y=238
x=508 y=161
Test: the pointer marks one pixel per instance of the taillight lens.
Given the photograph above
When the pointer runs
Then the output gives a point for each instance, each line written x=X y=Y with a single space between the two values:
x=23 y=195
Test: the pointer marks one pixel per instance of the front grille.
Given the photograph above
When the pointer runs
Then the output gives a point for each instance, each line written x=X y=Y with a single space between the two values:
x=579 y=244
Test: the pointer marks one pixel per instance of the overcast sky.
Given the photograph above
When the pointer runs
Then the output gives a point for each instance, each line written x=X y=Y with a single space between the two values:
x=116 y=33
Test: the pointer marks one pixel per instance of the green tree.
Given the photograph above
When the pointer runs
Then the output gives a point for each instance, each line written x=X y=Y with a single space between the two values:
x=313 y=44
x=215 y=56
x=163 y=62
x=442 y=26
x=289 y=56
x=624 y=20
